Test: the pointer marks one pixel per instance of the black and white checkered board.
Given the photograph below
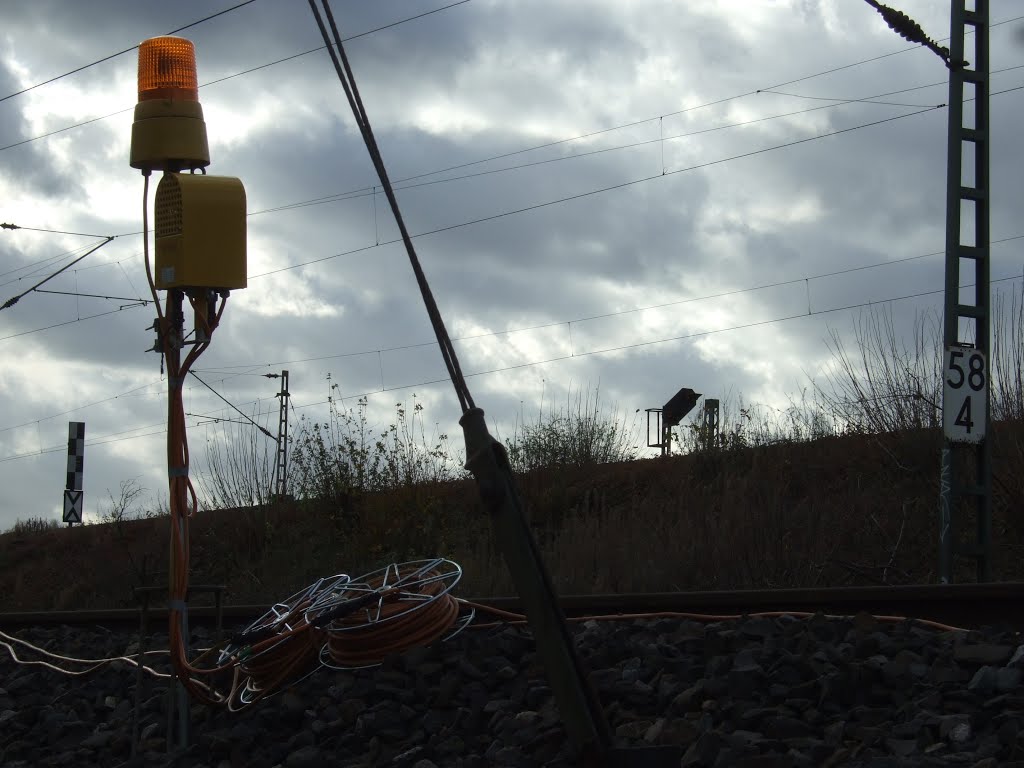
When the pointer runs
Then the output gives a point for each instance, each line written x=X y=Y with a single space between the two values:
x=76 y=454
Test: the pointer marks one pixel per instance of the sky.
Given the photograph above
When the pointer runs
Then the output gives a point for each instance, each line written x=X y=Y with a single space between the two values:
x=623 y=198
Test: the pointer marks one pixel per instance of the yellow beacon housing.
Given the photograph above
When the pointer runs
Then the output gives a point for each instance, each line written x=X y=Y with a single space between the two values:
x=169 y=132
x=199 y=227
x=199 y=219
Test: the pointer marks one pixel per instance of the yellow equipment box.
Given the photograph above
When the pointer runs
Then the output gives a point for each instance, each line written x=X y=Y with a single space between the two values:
x=200 y=232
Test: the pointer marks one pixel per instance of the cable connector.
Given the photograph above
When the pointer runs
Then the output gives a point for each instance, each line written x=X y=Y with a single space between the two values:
x=5 y=225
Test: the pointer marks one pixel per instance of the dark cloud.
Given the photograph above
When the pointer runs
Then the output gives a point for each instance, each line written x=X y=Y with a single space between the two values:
x=28 y=166
x=454 y=88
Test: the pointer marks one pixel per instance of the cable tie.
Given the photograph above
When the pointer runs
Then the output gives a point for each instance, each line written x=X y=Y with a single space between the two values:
x=177 y=605
x=175 y=382
x=177 y=471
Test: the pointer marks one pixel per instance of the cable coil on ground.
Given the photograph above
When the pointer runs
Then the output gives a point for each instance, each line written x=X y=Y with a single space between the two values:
x=281 y=647
x=389 y=611
x=343 y=623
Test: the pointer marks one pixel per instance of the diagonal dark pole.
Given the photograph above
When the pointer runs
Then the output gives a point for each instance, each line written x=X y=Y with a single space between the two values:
x=244 y=416
x=577 y=701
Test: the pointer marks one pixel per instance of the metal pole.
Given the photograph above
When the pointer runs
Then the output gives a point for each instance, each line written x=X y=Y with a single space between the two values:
x=966 y=469
x=139 y=677
x=176 y=329
x=281 y=465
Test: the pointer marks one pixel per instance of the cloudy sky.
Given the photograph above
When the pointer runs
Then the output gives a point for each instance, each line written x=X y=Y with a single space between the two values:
x=585 y=180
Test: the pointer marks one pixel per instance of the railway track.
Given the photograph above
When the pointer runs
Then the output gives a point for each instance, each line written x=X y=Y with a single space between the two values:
x=767 y=690
x=963 y=605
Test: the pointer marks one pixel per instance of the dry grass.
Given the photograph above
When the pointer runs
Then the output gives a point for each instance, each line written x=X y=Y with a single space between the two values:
x=833 y=512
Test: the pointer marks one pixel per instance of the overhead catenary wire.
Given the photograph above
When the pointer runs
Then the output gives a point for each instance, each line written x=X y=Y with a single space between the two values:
x=563 y=358
x=134 y=392
x=556 y=323
x=235 y=407
x=602 y=190
x=95 y=296
x=360 y=192
x=231 y=370
x=664 y=340
x=7 y=225
x=80 y=407
x=221 y=420
x=14 y=299
x=403 y=184
x=112 y=437
x=713 y=103
x=41 y=265
x=222 y=79
x=347 y=39
x=620 y=185
x=68 y=322
x=499 y=332
x=528 y=149
x=121 y=53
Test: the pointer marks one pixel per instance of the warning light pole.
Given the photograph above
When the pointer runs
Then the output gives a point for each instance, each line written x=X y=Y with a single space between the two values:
x=200 y=254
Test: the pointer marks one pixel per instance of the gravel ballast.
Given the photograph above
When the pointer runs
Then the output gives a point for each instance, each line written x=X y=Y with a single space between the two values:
x=757 y=692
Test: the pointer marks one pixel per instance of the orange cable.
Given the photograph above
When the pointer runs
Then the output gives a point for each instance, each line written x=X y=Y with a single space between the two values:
x=517 y=618
x=399 y=625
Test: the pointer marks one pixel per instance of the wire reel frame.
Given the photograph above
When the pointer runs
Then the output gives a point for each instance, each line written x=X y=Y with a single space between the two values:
x=395 y=597
x=287 y=620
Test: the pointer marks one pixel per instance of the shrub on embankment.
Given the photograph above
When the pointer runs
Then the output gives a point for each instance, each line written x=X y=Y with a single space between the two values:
x=836 y=511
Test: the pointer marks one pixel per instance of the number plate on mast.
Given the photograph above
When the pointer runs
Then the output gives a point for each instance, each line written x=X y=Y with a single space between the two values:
x=964 y=395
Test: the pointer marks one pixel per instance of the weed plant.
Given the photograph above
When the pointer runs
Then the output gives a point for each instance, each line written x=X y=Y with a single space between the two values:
x=837 y=488
x=582 y=433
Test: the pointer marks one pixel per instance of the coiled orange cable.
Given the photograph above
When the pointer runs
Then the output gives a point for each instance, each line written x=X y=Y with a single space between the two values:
x=293 y=655
x=402 y=620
